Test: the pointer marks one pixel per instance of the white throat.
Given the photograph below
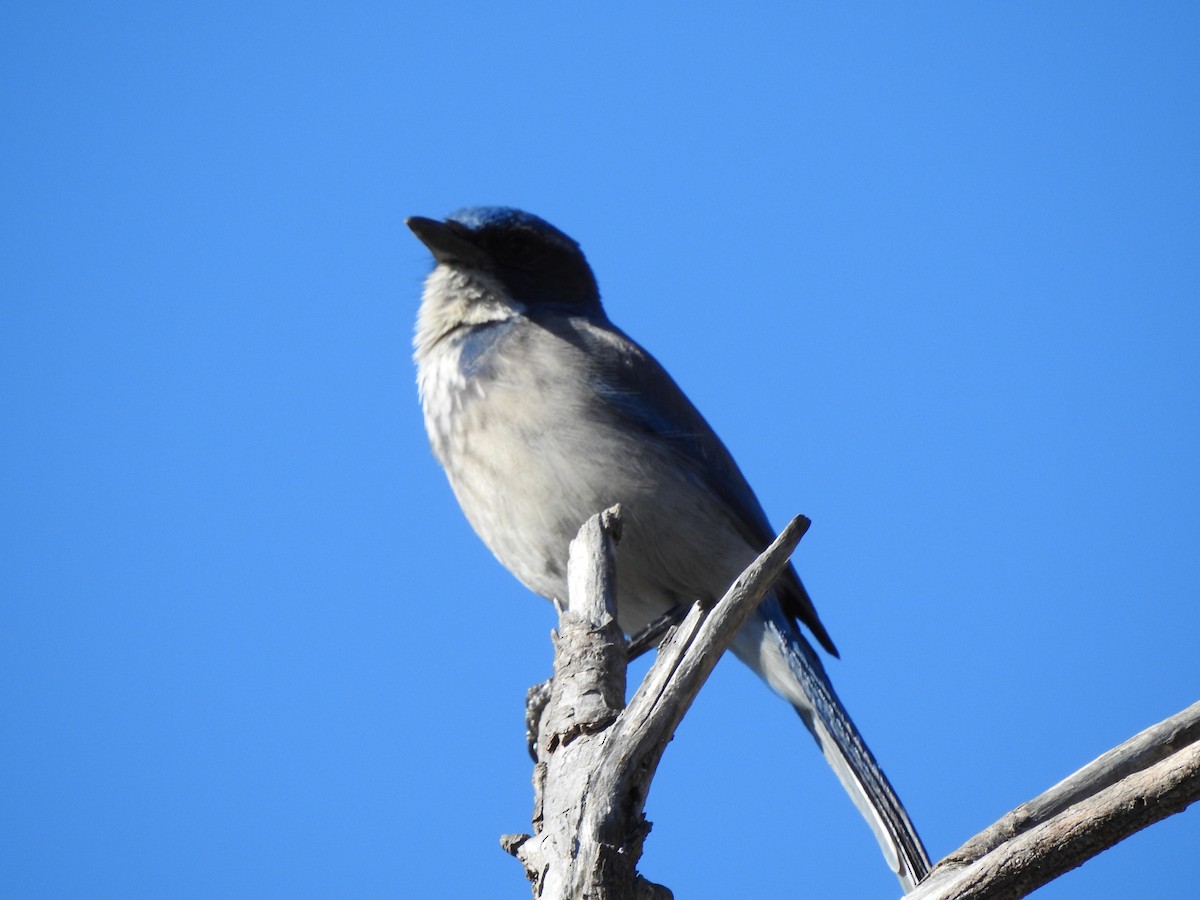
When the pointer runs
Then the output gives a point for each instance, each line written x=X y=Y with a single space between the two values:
x=455 y=301
x=459 y=298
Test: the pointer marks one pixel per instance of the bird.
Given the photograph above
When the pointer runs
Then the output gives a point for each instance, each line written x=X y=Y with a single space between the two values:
x=542 y=412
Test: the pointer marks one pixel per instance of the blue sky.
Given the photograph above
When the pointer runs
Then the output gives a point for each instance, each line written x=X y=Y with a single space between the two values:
x=929 y=269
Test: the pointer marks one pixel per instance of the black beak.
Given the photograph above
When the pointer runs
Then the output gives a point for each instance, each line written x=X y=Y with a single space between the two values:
x=449 y=242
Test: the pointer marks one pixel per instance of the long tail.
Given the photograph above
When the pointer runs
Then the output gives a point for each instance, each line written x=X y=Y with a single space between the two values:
x=773 y=646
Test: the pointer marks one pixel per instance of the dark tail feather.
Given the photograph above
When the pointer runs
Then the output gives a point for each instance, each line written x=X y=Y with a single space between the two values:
x=810 y=692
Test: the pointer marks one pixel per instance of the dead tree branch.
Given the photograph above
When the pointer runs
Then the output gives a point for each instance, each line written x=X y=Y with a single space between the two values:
x=596 y=755
x=1153 y=775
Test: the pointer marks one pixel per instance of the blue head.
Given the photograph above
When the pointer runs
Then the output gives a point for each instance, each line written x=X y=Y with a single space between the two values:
x=536 y=263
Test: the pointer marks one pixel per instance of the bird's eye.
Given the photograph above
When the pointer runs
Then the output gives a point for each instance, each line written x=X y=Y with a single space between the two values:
x=522 y=253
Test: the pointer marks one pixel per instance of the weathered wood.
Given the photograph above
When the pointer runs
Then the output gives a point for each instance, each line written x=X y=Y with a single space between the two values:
x=596 y=756
x=1153 y=775
x=1140 y=751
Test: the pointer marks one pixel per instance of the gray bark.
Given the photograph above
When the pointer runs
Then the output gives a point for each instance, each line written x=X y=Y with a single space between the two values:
x=596 y=755
x=1153 y=775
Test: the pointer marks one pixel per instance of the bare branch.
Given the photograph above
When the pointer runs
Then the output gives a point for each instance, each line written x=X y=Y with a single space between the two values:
x=689 y=654
x=1153 y=775
x=595 y=759
x=595 y=755
x=1142 y=750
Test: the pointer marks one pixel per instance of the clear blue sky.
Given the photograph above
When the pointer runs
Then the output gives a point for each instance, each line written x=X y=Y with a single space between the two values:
x=930 y=269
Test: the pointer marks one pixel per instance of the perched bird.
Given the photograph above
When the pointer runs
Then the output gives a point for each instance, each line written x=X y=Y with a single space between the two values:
x=543 y=413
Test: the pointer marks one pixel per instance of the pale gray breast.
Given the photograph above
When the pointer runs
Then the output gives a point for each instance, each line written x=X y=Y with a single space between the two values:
x=531 y=452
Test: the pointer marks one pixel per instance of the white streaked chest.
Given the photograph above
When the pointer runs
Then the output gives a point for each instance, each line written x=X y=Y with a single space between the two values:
x=508 y=416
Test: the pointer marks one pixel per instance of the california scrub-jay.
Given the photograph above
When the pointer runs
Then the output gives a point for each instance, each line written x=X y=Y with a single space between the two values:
x=543 y=413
